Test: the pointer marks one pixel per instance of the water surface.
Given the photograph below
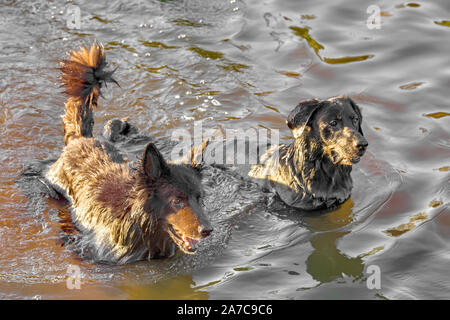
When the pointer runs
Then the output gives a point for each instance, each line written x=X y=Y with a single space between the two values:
x=241 y=64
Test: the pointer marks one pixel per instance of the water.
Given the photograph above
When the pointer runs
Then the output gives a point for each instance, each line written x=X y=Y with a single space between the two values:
x=241 y=64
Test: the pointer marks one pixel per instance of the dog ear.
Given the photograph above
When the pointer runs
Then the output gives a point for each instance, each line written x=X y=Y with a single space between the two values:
x=153 y=163
x=358 y=112
x=299 y=118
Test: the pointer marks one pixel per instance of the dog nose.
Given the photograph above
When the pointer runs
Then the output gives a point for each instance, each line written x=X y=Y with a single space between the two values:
x=362 y=145
x=206 y=232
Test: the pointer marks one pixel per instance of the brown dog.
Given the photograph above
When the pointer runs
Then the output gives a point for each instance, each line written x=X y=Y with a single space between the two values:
x=130 y=214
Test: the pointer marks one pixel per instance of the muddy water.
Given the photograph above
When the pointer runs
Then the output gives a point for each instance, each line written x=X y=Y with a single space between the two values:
x=240 y=64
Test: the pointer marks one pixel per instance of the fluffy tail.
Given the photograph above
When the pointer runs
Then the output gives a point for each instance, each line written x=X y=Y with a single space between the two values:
x=83 y=74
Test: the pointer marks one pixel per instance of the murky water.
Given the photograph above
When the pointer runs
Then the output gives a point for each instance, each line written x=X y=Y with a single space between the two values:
x=241 y=64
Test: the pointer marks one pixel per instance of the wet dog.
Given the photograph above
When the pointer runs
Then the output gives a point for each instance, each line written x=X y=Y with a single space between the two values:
x=313 y=172
x=130 y=213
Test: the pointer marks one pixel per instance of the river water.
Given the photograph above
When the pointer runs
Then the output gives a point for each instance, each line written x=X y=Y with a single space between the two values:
x=240 y=64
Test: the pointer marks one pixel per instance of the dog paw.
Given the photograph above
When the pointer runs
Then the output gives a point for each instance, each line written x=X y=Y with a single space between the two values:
x=116 y=130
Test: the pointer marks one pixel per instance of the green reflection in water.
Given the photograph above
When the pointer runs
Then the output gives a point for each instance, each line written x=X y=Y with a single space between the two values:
x=444 y=23
x=105 y=21
x=81 y=34
x=154 y=69
x=216 y=55
x=207 y=54
x=188 y=23
x=316 y=46
x=347 y=59
x=271 y=108
x=411 y=86
x=263 y=94
x=156 y=44
x=308 y=17
x=304 y=34
x=326 y=263
x=178 y=288
x=236 y=67
x=437 y=115
x=247 y=268
x=403 y=228
x=113 y=44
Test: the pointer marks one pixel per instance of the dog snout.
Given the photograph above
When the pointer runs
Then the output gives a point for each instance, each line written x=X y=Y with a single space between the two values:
x=205 y=231
x=362 y=145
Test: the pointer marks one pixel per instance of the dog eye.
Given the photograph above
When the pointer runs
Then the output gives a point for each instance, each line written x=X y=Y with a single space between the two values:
x=178 y=202
x=333 y=123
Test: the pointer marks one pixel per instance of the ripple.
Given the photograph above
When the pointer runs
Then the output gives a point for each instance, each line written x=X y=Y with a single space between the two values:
x=304 y=34
x=236 y=64
x=445 y=23
x=437 y=115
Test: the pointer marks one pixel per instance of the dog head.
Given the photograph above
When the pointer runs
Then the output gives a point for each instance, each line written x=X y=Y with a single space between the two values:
x=335 y=123
x=175 y=200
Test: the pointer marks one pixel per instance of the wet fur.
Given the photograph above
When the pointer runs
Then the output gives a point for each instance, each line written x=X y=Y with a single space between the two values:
x=313 y=172
x=124 y=212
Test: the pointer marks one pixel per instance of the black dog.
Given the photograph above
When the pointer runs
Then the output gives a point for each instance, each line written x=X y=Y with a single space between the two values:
x=312 y=173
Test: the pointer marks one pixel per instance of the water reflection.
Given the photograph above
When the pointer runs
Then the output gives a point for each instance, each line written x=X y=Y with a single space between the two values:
x=316 y=46
x=327 y=263
x=256 y=62
x=177 y=288
x=403 y=228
